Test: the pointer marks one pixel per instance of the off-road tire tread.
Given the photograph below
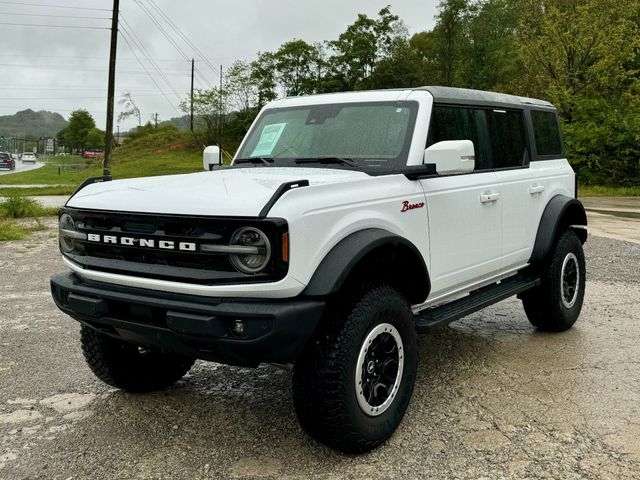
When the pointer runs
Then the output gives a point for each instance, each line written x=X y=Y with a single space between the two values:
x=317 y=385
x=543 y=304
x=104 y=356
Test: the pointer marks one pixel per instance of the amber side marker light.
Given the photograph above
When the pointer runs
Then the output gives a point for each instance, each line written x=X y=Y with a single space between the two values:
x=285 y=247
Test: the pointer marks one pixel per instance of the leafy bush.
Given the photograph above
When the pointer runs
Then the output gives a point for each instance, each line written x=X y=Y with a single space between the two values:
x=16 y=206
x=149 y=129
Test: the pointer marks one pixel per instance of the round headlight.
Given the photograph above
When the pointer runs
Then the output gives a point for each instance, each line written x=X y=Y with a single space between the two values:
x=258 y=249
x=66 y=225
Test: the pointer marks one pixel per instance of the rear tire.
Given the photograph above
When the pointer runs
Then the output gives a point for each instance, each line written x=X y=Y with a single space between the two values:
x=129 y=367
x=353 y=383
x=555 y=305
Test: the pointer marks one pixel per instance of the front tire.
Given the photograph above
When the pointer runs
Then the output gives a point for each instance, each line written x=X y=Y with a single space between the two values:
x=555 y=305
x=129 y=367
x=353 y=383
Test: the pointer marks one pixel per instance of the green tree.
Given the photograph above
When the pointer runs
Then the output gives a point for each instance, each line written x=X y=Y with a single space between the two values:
x=363 y=44
x=487 y=61
x=80 y=123
x=241 y=88
x=297 y=64
x=263 y=74
x=207 y=109
x=95 y=139
x=450 y=32
x=582 y=55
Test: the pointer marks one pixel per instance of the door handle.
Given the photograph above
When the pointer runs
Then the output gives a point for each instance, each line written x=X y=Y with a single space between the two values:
x=488 y=197
x=533 y=189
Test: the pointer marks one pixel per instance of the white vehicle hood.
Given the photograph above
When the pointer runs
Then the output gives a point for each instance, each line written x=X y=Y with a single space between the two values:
x=227 y=192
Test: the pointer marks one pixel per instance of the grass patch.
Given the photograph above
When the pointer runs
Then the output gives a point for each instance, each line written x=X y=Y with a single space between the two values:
x=164 y=153
x=600 y=191
x=10 y=230
x=16 y=206
x=36 y=191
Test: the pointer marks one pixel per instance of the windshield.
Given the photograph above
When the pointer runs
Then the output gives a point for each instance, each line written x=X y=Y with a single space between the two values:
x=368 y=134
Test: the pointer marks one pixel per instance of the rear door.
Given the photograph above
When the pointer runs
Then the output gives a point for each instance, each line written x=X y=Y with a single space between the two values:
x=465 y=222
x=510 y=157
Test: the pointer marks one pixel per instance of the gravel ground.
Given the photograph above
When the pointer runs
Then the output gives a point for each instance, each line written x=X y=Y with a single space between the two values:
x=494 y=398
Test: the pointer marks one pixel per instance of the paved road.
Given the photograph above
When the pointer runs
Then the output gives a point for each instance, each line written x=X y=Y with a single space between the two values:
x=494 y=398
x=22 y=167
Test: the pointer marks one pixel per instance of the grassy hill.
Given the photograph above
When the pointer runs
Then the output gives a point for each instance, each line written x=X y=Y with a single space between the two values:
x=30 y=123
x=164 y=153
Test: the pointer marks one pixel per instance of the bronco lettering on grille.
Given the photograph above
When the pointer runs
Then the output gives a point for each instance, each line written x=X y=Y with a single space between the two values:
x=142 y=242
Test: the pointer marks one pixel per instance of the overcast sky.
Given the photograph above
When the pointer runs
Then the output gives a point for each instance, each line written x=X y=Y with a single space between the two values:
x=61 y=69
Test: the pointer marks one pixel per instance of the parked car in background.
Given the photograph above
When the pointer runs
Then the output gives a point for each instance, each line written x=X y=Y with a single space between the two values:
x=91 y=154
x=6 y=161
x=28 y=157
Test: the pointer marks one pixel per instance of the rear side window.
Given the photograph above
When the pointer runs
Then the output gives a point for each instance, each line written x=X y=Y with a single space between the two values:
x=507 y=136
x=457 y=123
x=546 y=133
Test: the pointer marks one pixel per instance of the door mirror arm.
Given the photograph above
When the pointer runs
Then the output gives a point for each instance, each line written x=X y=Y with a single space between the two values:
x=418 y=172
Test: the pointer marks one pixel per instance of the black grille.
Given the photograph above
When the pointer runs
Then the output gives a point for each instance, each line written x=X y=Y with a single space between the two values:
x=193 y=267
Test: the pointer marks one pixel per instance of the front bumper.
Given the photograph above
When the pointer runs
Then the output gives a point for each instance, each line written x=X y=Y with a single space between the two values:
x=275 y=331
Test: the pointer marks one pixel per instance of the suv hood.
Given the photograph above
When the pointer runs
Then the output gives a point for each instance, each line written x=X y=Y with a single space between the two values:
x=241 y=192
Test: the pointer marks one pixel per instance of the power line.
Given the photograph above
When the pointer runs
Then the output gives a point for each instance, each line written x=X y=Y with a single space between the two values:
x=66 y=88
x=125 y=33
x=53 y=16
x=182 y=35
x=74 y=98
x=145 y=53
x=52 y=26
x=81 y=69
x=162 y=30
x=74 y=7
x=79 y=57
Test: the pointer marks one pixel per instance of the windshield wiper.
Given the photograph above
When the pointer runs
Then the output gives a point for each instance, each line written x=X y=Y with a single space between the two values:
x=264 y=160
x=328 y=160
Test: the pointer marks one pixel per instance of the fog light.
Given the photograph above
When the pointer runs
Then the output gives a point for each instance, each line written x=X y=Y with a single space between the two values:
x=238 y=327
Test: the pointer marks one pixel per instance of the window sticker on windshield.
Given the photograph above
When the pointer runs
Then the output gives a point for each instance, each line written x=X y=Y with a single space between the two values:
x=268 y=139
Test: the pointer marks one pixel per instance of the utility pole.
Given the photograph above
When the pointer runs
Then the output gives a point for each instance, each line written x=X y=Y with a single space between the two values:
x=108 y=143
x=118 y=137
x=156 y=119
x=193 y=70
x=220 y=114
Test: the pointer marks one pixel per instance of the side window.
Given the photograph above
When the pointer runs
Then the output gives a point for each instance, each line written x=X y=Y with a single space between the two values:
x=507 y=137
x=457 y=123
x=546 y=133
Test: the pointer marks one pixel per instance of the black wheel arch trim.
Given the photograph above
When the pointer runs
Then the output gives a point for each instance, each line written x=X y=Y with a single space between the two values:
x=561 y=212
x=346 y=255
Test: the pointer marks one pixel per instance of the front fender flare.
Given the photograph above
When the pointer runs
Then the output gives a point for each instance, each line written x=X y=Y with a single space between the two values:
x=341 y=260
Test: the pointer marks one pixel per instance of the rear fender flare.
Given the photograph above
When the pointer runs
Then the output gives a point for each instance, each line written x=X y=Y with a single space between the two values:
x=561 y=212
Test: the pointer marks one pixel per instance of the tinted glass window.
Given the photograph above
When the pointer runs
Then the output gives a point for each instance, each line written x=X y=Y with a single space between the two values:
x=4 y=156
x=546 y=133
x=507 y=137
x=455 y=123
x=364 y=132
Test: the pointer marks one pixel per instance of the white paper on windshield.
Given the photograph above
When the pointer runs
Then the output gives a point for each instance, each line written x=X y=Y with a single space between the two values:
x=268 y=139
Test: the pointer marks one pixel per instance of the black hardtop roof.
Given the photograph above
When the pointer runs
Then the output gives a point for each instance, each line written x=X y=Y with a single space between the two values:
x=468 y=96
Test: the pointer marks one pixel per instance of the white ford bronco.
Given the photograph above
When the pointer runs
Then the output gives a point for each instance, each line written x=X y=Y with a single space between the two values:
x=346 y=225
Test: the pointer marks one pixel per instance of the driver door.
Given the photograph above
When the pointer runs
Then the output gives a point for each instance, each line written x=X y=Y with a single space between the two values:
x=464 y=210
